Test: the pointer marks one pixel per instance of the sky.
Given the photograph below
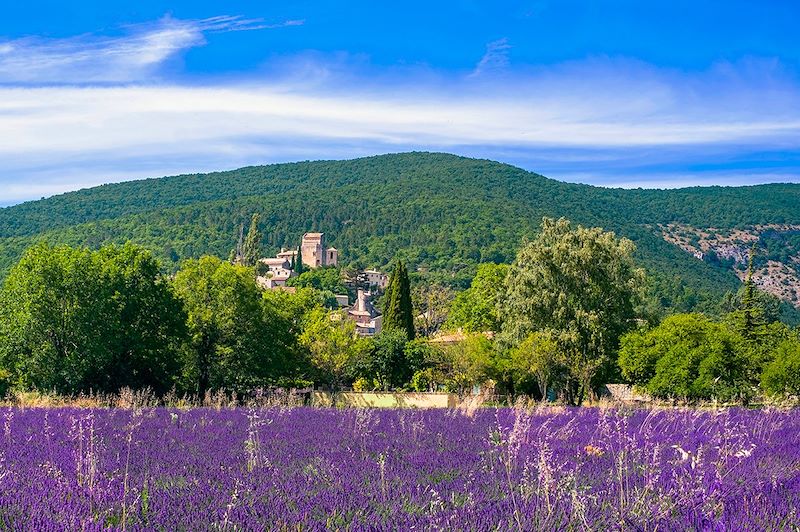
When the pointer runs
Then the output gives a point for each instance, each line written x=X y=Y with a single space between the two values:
x=613 y=93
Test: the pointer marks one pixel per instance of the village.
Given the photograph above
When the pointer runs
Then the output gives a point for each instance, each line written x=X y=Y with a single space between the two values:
x=314 y=253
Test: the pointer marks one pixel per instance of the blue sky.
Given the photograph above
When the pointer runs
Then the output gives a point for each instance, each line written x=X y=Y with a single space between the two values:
x=651 y=94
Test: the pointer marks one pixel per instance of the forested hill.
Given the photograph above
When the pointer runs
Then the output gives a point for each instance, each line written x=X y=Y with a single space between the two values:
x=442 y=213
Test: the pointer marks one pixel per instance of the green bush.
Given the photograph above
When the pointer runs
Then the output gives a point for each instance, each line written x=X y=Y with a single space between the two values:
x=687 y=356
x=782 y=376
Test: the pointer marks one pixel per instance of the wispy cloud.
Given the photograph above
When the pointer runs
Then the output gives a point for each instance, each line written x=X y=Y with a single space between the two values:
x=133 y=56
x=599 y=120
x=286 y=24
x=495 y=58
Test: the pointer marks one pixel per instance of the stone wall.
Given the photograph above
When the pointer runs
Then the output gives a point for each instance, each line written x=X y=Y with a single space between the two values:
x=386 y=399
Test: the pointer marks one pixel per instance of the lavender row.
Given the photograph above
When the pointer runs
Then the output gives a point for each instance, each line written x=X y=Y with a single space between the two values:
x=316 y=469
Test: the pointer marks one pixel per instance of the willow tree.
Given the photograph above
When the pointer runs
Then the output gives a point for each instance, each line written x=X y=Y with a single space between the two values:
x=581 y=287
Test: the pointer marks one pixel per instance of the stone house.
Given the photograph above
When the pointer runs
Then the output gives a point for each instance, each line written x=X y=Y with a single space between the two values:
x=278 y=273
x=376 y=279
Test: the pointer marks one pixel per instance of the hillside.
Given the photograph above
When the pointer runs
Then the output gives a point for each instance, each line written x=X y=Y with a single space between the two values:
x=440 y=212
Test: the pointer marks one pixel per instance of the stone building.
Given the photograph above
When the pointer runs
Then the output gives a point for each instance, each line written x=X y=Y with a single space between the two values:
x=288 y=254
x=315 y=253
x=377 y=279
x=363 y=313
x=279 y=272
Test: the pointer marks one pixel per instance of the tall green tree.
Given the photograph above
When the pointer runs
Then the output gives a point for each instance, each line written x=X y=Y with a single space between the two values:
x=333 y=345
x=398 y=310
x=74 y=320
x=755 y=316
x=476 y=309
x=687 y=356
x=431 y=305
x=763 y=307
x=233 y=344
x=299 y=267
x=251 y=249
x=538 y=356
x=579 y=285
x=388 y=361
x=469 y=362
x=749 y=318
x=782 y=376
x=150 y=320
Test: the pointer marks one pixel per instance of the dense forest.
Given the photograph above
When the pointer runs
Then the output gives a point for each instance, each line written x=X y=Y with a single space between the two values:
x=441 y=214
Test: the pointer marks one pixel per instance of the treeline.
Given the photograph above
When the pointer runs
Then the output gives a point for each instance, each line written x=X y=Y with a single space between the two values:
x=438 y=213
x=73 y=320
x=567 y=316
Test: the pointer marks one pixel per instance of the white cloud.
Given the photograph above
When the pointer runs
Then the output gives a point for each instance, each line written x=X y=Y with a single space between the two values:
x=606 y=114
x=133 y=56
x=495 y=58
x=602 y=113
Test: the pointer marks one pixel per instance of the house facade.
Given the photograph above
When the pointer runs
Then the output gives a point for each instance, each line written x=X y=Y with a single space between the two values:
x=279 y=271
x=377 y=279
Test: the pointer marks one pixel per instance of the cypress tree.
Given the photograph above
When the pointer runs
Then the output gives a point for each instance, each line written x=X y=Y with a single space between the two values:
x=751 y=315
x=391 y=303
x=398 y=311
x=237 y=255
x=298 y=262
x=406 y=304
x=251 y=251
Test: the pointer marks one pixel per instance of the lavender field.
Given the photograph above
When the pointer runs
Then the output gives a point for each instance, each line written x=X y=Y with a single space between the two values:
x=315 y=469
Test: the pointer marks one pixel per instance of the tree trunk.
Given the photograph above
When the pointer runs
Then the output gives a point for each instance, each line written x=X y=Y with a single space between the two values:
x=204 y=366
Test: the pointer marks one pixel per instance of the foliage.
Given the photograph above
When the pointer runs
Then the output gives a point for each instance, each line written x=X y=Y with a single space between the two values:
x=323 y=279
x=687 y=356
x=538 y=356
x=476 y=309
x=294 y=307
x=333 y=345
x=761 y=306
x=431 y=306
x=290 y=314
x=297 y=262
x=782 y=376
x=251 y=251
x=580 y=286
x=438 y=212
x=423 y=380
x=398 y=310
x=235 y=339
x=469 y=362
x=364 y=384
x=434 y=366
x=388 y=362
x=74 y=320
